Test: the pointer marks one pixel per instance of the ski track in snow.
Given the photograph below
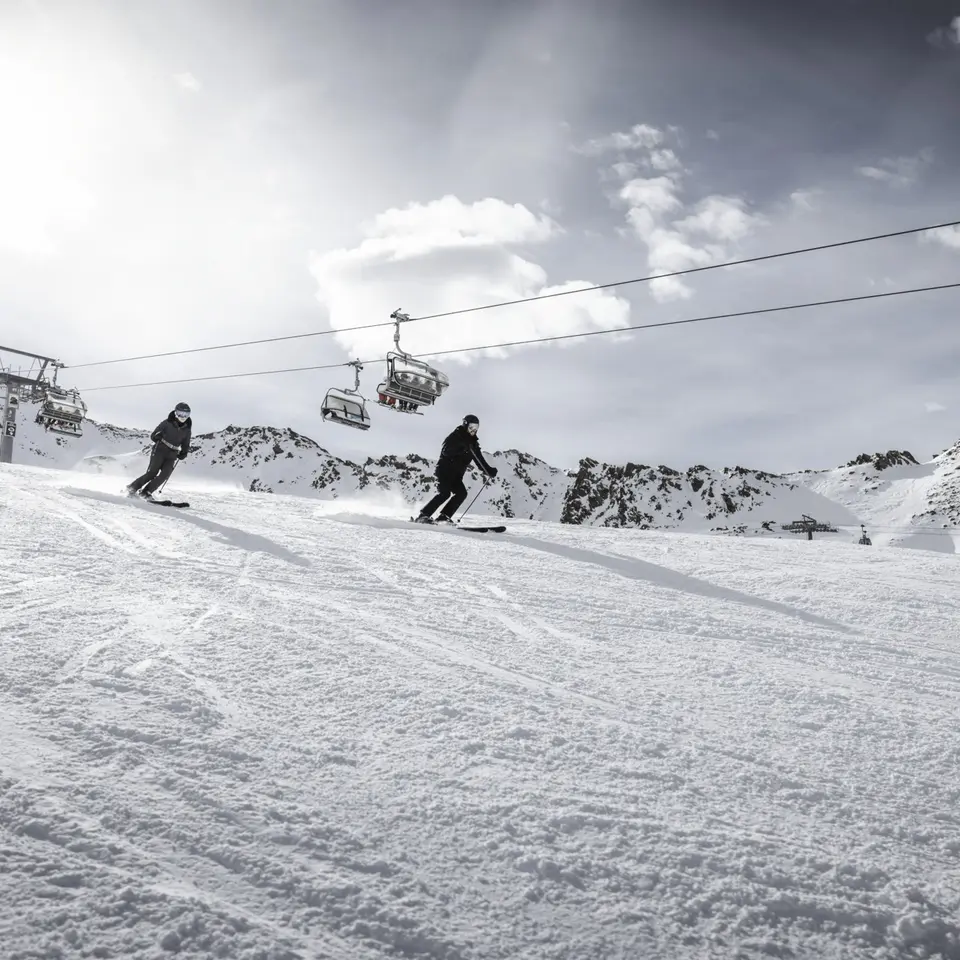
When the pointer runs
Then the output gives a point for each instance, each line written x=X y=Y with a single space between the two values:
x=255 y=731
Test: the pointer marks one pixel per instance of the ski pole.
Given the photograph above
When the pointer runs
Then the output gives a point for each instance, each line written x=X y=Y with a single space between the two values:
x=474 y=500
x=162 y=485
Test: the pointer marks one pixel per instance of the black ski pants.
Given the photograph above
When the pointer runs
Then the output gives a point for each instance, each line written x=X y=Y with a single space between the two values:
x=159 y=469
x=451 y=490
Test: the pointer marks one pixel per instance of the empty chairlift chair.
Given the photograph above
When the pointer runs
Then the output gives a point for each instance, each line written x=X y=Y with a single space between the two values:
x=409 y=383
x=62 y=411
x=347 y=407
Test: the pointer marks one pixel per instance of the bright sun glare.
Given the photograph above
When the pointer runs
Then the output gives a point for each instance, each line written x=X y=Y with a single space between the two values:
x=48 y=126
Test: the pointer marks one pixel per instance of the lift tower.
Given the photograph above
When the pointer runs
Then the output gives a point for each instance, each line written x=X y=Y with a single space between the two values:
x=31 y=378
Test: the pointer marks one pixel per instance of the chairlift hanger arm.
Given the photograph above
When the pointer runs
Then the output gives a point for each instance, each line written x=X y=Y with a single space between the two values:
x=357 y=367
x=397 y=317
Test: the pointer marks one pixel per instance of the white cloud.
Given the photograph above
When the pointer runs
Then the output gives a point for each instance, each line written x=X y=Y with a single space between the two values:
x=948 y=236
x=639 y=137
x=649 y=197
x=899 y=171
x=624 y=170
x=804 y=199
x=187 y=81
x=449 y=221
x=931 y=406
x=678 y=235
x=664 y=160
x=448 y=255
x=720 y=218
x=946 y=36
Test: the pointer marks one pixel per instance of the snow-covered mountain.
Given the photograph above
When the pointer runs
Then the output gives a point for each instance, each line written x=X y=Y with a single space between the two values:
x=900 y=500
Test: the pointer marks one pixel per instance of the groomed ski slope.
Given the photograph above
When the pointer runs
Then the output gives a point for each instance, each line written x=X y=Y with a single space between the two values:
x=268 y=727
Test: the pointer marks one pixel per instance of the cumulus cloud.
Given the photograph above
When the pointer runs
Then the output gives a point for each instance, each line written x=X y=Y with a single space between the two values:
x=639 y=137
x=899 y=171
x=946 y=36
x=449 y=255
x=679 y=233
x=948 y=236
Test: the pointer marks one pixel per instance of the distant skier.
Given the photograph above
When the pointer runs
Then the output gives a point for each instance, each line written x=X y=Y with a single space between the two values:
x=171 y=443
x=459 y=448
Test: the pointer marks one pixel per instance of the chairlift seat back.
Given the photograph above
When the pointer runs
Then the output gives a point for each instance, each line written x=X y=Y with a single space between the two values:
x=346 y=408
x=63 y=412
x=413 y=380
x=58 y=405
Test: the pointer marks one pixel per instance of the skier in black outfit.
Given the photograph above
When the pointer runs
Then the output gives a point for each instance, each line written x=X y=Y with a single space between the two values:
x=171 y=443
x=459 y=448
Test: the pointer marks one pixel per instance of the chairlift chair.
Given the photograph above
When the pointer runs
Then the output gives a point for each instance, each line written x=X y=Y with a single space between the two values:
x=62 y=411
x=409 y=383
x=347 y=407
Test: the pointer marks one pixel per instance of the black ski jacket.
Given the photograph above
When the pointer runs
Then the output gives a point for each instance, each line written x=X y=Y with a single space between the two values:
x=173 y=436
x=457 y=451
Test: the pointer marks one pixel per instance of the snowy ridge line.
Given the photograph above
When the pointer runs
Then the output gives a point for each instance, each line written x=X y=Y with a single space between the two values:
x=902 y=502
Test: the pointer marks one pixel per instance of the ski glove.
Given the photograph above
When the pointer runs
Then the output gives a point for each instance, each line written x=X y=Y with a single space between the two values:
x=182 y=455
x=492 y=472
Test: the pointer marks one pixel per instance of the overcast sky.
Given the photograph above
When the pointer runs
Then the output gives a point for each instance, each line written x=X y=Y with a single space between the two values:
x=197 y=172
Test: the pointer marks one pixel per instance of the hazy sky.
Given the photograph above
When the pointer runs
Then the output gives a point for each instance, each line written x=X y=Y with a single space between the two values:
x=196 y=172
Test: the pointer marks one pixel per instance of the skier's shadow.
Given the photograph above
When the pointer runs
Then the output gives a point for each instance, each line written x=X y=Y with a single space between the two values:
x=673 y=580
x=242 y=538
x=230 y=535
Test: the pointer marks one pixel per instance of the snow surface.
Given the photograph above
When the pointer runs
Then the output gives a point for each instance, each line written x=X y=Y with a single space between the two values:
x=270 y=727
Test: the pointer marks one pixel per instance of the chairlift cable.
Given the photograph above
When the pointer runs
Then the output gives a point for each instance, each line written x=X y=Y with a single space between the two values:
x=567 y=336
x=545 y=296
x=226 y=346
x=691 y=270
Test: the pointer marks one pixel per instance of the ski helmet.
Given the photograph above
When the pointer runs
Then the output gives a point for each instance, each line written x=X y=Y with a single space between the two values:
x=470 y=418
x=182 y=410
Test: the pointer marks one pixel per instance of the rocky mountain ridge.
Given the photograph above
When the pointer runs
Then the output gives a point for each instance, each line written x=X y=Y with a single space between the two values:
x=890 y=491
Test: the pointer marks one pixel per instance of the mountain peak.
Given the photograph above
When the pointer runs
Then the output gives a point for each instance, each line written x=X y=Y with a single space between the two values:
x=883 y=461
x=891 y=491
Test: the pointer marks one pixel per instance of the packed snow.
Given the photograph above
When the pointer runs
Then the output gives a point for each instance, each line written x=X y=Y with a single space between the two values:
x=269 y=727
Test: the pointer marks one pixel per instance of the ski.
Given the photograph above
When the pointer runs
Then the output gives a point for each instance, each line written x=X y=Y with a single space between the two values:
x=159 y=503
x=456 y=526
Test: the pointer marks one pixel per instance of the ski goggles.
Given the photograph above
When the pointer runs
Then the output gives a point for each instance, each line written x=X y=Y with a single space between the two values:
x=181 y=414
